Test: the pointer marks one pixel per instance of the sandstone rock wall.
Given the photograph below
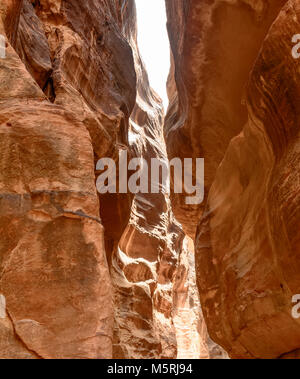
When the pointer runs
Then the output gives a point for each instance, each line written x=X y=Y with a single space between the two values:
x=76 y=266
x=214 y=46
x=234 y=97
x=84 y=275
x=248 y=238
x=68 y=86
x=145 y=263
x=193 y=340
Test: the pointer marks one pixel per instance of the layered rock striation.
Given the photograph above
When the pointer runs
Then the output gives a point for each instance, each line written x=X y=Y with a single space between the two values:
x=68 y=86
x=144 y=274
x=248 y=239
x=84 y=275
x=214 y=45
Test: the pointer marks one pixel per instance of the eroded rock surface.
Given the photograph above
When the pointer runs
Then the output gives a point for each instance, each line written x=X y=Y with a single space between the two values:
x=234 y=96
x=64 y=106
x=193 y=341
x=144 y=263
x=248 y=250
x=68 y=86
x=90 y=276
x=214 y=46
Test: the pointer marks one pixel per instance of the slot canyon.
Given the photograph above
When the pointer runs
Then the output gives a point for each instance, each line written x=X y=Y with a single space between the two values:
x=85 y=275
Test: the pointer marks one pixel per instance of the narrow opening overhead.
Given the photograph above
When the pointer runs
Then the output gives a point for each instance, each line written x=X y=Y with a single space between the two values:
x=154 y=43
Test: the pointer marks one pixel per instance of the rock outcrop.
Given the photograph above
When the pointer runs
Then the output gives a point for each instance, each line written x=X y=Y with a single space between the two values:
x=146 y=270
x=214 y=46
x=67 y=89
x=248 y=239
x=234 y=91
x=84 y=275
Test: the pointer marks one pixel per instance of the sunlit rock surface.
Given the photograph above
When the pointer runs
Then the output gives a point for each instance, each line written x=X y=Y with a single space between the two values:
x=193 y=341
x=144 y=263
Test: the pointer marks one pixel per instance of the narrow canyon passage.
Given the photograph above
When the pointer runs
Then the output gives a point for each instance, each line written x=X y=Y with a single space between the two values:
x=154 y=45
x=108 y=273
x=100 y=271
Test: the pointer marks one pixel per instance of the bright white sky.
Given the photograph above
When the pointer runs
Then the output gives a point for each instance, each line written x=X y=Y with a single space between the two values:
x=154 y=43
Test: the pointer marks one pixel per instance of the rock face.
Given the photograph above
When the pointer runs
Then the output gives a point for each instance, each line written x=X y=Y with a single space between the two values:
x=54 y=276
x=64 y=106
x=193 y=340
x=212 y=56
x=153 y=268
x=249 y=236
x=84 y=275
x=234 y=90
x=145 y=265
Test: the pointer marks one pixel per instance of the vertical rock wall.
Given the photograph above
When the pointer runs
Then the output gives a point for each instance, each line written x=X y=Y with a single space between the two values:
x=74 y=266
x=234 y=101
x=248 y=238
x=84 y=275
x=214 y=46
x=68 y=86
x=144 y=263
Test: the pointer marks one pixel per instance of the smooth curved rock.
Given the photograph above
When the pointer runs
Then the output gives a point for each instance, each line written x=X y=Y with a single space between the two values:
x=248 y=245
x=214 y=46
x=144 y=263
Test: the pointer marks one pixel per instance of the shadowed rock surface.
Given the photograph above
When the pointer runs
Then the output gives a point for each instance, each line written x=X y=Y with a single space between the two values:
x=248 y=239
x=234 y=97
x=214 y=46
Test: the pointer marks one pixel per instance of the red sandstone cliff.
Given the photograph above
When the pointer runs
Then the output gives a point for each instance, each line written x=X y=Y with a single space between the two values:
x=234 y=101
x=83 y=275
x=253 y=246
x=212 y=56
x=54 y=274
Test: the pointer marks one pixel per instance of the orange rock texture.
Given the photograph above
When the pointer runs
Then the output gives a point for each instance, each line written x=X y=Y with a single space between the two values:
x=159 y=316
x=55 y=283
x=84 y=275
x=145 y=275
x=234 y=91
x=212 y=57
